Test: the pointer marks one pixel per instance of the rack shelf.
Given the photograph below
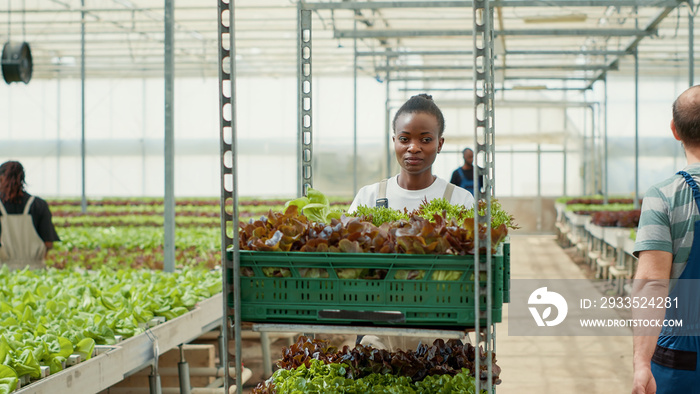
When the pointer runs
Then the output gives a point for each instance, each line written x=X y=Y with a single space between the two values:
x=367 y=330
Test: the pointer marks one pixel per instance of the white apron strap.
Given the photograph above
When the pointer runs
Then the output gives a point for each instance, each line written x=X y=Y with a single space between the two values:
x=29 y=204
x=448 y=191
x=382 y=201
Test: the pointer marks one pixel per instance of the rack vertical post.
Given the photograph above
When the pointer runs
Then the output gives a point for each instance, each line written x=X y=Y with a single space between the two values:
x=483 y=178
x=229 y=194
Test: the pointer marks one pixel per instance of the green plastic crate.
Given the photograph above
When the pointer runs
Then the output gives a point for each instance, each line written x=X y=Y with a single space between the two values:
x=388 y=301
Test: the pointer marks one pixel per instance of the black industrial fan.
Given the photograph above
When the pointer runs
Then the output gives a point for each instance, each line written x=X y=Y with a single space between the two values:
x=16 y=62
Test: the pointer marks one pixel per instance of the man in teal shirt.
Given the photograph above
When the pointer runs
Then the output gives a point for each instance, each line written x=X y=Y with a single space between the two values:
x=668 y=247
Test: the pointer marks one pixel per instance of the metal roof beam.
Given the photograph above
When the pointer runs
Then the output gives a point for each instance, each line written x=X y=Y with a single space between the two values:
x=548 y=78
x=568 y=52
x=206 y=8
x=495 y=3
x=520 y=104
x=469 y=77
x=431 y=79
x=582 y=67
x=508 y=32
x=514 y=88
x=421 y=53
x=632 y=45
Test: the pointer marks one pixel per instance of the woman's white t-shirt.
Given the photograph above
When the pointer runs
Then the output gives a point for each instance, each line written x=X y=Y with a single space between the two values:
x=400 y=198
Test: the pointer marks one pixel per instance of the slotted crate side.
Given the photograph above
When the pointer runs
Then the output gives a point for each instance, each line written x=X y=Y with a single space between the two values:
x=308 y=299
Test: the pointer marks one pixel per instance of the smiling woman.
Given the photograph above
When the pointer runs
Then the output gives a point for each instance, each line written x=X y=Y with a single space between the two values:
x=418 y=128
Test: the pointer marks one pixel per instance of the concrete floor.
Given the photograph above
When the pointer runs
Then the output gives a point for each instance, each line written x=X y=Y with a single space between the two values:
x=573 y=364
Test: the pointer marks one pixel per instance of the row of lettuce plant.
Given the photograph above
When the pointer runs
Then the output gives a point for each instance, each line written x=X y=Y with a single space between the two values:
x=134 y=221
x=154 y=201
x=186 y=210
x=617 y=212
x=153 y=219
x=594 y=199
x=104 y=280
x=45 y=316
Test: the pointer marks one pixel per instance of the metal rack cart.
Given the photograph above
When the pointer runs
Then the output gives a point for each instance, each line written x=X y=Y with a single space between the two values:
x=484 y=137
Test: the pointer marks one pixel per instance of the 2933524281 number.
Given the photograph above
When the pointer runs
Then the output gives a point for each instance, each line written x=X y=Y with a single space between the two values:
x=638 y=302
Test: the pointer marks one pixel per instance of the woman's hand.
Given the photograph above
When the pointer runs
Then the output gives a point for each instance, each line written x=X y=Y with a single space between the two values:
x=49 y=246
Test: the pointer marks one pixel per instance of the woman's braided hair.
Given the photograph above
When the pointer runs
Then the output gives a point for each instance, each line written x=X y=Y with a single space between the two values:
x=12 y=181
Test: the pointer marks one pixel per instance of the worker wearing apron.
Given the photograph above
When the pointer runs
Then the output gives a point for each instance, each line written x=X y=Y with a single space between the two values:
x=21 y=244
x=26 y=229
x=667 y=245
x=675 y=360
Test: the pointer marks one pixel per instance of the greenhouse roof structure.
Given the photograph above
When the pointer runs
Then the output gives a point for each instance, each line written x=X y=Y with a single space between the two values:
x=538 y=44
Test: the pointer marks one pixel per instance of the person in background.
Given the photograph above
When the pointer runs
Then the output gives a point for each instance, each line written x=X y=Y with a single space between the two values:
x=26 y=230
x=668 y=248
x=464 y=175
x=418 y=128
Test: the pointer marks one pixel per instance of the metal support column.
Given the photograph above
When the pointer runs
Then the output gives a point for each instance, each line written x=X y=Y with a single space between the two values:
x=229 y=194
x=484 y=169
x=636 y=118
x=605 y=139
x=58 y=132
x=388 y=126
x=565 y=166
x=538 y=199
x=594 y=152
x=169 y=149
x=585 y=154
x=636 y=129
x=691 y=44
x=83 y=200
x=565 y=145
x=539 y=188
x=144 y=127
x=305 y=142
x=183 y=369
x=354 y=111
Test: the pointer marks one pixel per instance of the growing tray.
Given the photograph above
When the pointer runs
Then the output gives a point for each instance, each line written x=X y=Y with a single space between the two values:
x=388 y=301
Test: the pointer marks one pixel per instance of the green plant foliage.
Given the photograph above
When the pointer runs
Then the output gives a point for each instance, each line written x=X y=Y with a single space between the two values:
x=586 y=209
x=145 y=220
x=499 y=217
x=325 y=378
x=440 y=206
x=290 y=231
x=8 y=376
x=429 y=210
x=45 y=316
x=204 y=239
x=116 y=258
x=315 y=206
x=379 y=215
x=316 y=367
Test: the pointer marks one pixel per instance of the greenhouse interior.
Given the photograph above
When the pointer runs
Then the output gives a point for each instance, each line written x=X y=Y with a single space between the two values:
x=191 y=236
